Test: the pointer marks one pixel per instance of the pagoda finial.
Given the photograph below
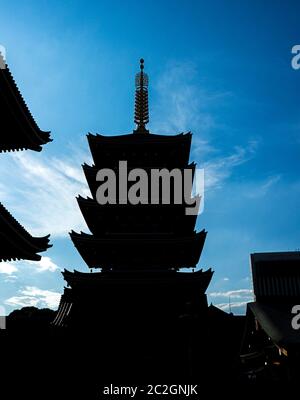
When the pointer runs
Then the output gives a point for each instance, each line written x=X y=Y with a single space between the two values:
x=141 y=112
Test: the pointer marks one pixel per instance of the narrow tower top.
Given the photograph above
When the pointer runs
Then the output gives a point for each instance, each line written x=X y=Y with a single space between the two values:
x=141 y=112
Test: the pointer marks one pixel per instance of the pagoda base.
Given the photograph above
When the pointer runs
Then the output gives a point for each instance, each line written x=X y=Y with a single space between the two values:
x=113 y=299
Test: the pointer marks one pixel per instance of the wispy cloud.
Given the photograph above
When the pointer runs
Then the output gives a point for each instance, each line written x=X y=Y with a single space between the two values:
x=234 y=294
x=181 y=104
x=8 y=268
x=219 y=169
x=45 y=264
x=233 y=300
x=238 y=307
x=184 y=105
x=41 y=191
x=15 y=267
x=33 y=296
x=260 y=189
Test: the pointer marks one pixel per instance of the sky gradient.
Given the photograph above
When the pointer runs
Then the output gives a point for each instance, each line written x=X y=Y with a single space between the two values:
x=221 y=69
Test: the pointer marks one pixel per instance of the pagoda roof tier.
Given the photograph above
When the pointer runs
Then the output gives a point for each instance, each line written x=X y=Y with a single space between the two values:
x=98 y=297
x=16 y=242
x=139 y=252
x=18 y=128
x=83 y=280
x=156 y=151
x=91 y=172
x=139 y=218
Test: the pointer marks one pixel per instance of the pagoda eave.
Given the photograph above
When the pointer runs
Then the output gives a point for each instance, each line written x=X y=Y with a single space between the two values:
x=78 y=279
x=140 y=251
x=139 y=218
x=19 y=130
x=141 y=150
x=16 y=242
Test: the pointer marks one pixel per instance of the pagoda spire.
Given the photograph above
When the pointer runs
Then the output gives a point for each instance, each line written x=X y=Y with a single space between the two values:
x=141 y=112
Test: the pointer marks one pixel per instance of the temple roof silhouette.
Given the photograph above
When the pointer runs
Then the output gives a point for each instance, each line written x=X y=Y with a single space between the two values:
x=276 y=286
x=270 y=336
x=16 y=242
x=117 y=218
x=276 y=276
x=150 y=250
x=142 y=150
x=138 y=277
x=19 y=130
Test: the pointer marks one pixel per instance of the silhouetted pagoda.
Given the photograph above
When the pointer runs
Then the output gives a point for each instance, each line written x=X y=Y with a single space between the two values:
x=140 y=294
x=18 y=131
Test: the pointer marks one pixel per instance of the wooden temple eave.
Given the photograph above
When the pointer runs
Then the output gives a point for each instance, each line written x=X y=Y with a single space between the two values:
x=200 y=278
x=16 y=242
x=140 y=218
x=166 y=252
x=167 y=152
x=132 y=139
x=19 y=130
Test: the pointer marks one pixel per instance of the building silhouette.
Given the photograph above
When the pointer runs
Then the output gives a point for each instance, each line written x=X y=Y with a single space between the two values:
x=19 y=131
x=139 y=248
x=271 y=344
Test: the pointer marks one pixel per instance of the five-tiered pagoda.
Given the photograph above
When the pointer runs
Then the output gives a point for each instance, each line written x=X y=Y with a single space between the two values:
x=140 y=249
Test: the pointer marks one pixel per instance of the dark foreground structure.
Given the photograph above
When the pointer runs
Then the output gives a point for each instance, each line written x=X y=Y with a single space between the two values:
x=271 y=344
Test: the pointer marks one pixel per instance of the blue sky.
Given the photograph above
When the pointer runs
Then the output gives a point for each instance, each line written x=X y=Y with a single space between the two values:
x=221 y=69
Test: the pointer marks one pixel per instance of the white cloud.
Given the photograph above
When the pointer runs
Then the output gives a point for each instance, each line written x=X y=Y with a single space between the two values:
x=240 y=305
x=45 y=264
x=14 y=267
x=260 y=189
x=71 y=171
x=217 y=170
x=10 y=278
x=234 y=294
x=232 y=300
x=182 y=105
x=41 y=192
x=7 y=268
x=202 y=147
x=33 y=296
x=22 y=301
